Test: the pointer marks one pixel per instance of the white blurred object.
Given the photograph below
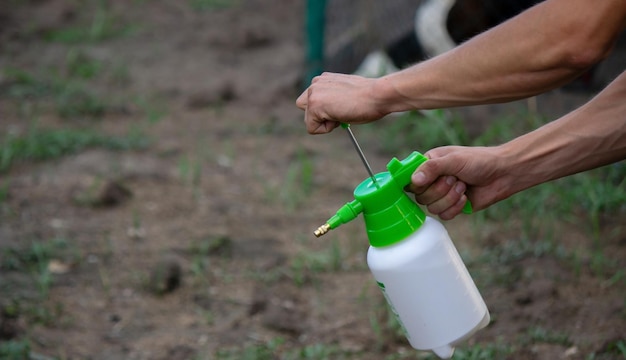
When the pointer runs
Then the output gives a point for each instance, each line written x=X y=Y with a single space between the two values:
x=376 y=64
x=430 y=26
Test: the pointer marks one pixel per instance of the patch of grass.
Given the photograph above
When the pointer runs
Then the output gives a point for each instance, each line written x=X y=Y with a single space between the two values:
x=46 y=144
x=203 y=5
x=103 y=25
x=319 y=351
x=488 y=351
x=251 y=352
x=298 y=182
x=153 y=109
x=419 y=131
x=306 y=263
x=276 y=349
x=538 y=334
x=35 y=256
x=71 y=99
x=22 y=84
x=4 y=191
x=15 y=350
x=80 y=65
x=76 y=101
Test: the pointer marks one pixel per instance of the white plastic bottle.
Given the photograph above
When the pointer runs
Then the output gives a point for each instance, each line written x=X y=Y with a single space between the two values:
x=429 y=289
x=415 y=262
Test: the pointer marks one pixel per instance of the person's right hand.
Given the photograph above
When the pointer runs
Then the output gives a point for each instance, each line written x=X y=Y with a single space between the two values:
x=454 y=174
x=339 y=98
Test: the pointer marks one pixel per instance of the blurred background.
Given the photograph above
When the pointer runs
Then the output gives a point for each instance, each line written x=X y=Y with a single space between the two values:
x=158 y=190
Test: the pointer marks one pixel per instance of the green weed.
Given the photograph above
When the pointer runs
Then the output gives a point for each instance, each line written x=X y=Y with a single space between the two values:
x=419 y=131
x=15 y=350
x=298 y=183
x=154 y=110
x=275 y=349
x=76 y=101
x=211 y=4
x=46 y=144
x=80 y=65
x=261 y=351
x=540 y=335
x=104 y=25
x=306 y=263
x=319 y=351
x=4 y=191
x=71 y=99
x=488 y=351
x=22 y=84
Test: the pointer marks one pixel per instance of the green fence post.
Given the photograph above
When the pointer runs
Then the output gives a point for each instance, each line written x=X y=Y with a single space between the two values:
x=315 y=21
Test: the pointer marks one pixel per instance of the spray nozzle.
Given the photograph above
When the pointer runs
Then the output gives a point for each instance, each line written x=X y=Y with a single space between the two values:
x=345 y=214
x=389 y=213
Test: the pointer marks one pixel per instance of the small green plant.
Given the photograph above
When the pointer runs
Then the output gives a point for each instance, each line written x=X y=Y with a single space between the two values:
x=319 y=351
x=153 y=110
x=263 y=351
x=489 y=351
x=538 y=334
x=75 y=101
x=310 y=262
x=80 y=65
x=4 y=191
x=104 y=25
x=22 y=84
x=298 y=183
x=70 y=97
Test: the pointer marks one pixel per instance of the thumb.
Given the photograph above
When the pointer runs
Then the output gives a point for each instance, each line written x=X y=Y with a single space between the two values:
x=429 y=172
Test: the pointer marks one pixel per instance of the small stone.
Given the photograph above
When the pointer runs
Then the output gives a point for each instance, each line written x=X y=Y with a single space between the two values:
x=97 y=192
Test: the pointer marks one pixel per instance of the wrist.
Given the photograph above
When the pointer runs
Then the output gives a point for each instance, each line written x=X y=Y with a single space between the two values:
x=388 y=98
x=519 y=166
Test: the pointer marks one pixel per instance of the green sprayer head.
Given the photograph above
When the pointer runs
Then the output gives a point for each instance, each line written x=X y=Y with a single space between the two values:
x=390 y=214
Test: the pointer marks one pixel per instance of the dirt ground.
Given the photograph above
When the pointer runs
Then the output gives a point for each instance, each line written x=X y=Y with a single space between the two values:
x=199 y=245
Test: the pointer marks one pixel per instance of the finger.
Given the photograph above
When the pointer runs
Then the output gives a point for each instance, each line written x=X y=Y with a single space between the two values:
x=302 y=100
x=437 y=190
x=449 y=200
x=316 y=126
x=428 y=172
x=454 y=210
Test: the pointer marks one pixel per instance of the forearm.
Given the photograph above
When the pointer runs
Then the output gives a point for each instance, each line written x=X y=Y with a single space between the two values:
x=509 y=62
x=592 y=136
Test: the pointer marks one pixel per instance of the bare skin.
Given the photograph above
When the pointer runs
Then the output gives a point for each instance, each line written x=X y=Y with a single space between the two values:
x=591 y=136
x=541 y=49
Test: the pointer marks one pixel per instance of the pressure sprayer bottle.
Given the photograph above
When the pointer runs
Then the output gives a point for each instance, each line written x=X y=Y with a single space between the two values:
x=414 y=261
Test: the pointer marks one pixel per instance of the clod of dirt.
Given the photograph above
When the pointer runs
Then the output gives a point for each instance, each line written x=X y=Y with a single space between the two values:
x=166 y=276
x=97 y=192
x=255 y=38
x=284 y=315
x=540 y=289
x=218 y=94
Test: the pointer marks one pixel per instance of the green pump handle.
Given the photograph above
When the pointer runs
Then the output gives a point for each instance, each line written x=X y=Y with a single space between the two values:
x=403 y=170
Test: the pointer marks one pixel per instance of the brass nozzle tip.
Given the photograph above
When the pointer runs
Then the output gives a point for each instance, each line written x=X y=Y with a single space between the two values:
x=321 y=230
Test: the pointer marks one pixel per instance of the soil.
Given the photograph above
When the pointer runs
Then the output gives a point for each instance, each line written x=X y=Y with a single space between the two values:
x=201 y=244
